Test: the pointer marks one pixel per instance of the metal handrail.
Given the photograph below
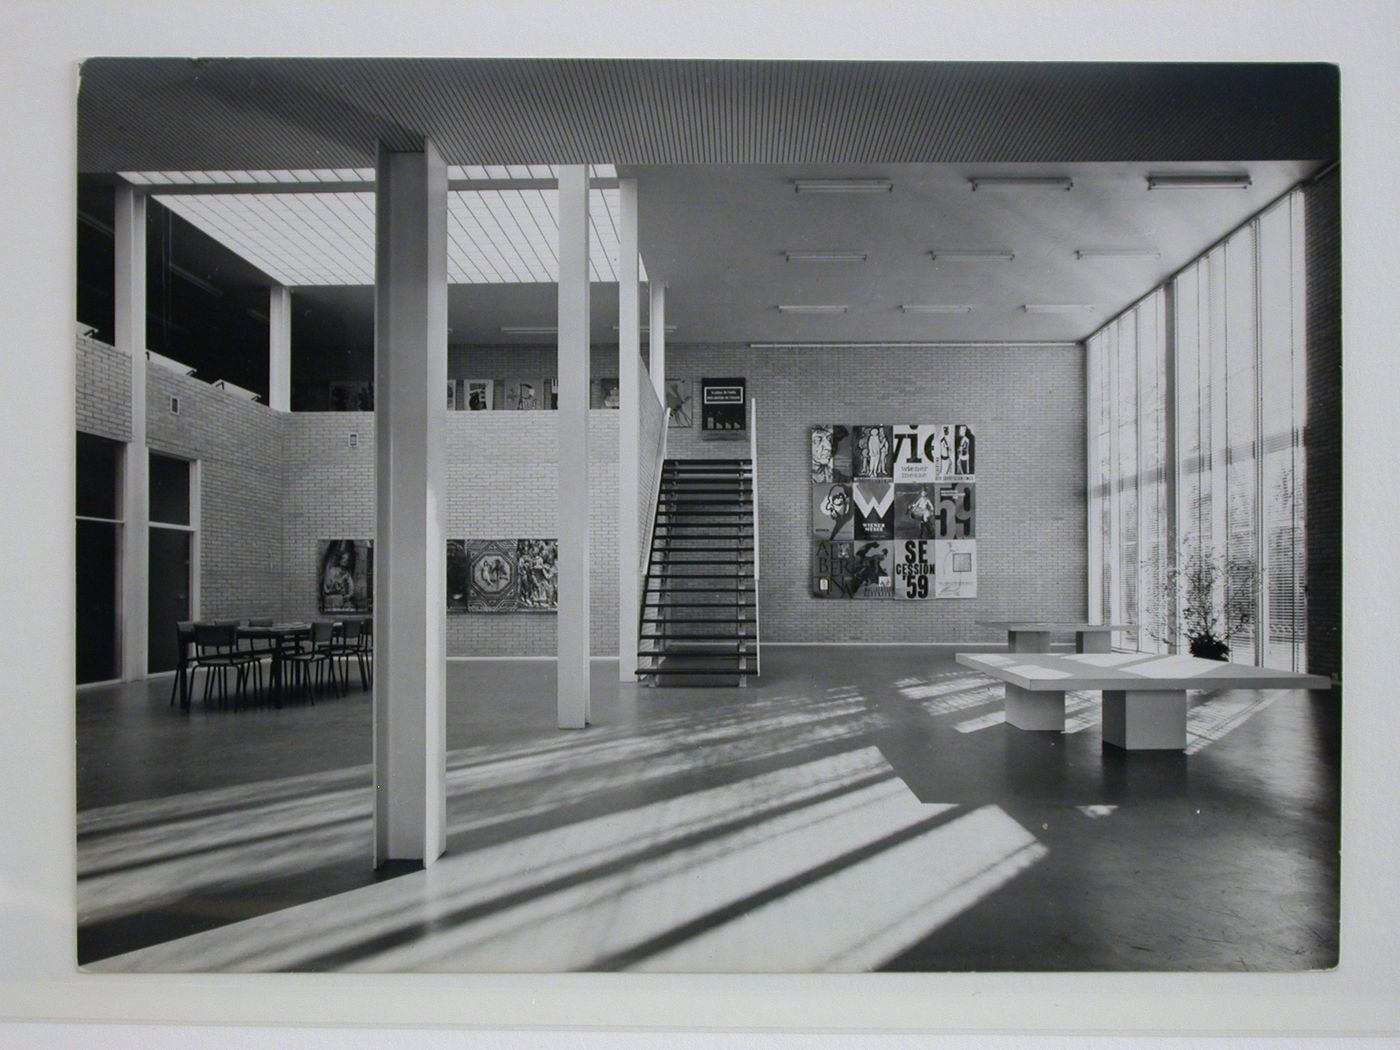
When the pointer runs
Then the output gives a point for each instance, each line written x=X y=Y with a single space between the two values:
x=753 y=485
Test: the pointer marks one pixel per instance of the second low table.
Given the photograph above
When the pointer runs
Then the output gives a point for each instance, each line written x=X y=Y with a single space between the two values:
x=1033 y=636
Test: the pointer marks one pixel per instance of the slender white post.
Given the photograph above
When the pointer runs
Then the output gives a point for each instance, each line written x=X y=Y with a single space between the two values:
x=629 y=431
x=573 y=688
x=279 y=348
x=656 y=339
x=410 y=601
x=129 y=287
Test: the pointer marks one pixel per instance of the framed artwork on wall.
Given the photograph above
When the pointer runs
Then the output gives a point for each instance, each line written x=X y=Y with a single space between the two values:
x=680 y=401
x=345 y=576
x=479 y=394
x=523 y=396
x=604 y=393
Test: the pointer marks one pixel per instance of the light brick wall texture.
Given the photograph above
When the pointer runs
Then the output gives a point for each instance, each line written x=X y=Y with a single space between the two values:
x=102 y=399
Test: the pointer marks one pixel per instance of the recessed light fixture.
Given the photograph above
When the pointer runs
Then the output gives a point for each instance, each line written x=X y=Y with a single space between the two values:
x=842 y=185
x=1117 y=253
x=936 y=308
x=972 y=255
x=1044 y=182
x=530 y=329
x=826 y=257
x=812 y=309
x=1057 y=308
x=1200 y=181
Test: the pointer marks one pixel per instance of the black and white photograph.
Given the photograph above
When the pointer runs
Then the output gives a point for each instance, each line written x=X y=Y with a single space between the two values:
x=1115 y=747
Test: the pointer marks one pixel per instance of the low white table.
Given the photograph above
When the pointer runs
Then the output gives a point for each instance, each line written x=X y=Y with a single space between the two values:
x=1144 y=696
x=1033 y=636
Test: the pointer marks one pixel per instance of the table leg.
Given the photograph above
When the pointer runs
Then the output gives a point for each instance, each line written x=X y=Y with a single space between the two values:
x=1041 y=709
x=1093 y=641
x=1145 y=719
x=274 y=676
x=1028 y=641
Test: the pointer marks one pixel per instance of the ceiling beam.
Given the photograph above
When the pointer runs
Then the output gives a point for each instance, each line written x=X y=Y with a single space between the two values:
x=214 y=189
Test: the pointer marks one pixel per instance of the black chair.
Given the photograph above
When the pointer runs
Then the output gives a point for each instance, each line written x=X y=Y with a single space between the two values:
x=345 y=645
x=365 y=652
x=216 y=650
x=184 y=638
x=318 y=652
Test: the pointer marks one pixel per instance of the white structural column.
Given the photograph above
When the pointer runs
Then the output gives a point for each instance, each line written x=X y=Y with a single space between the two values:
x=574 y=692
x=410 y=599
x=129 y=286
x=656 y=340
x=629 y=428
x=279 y=348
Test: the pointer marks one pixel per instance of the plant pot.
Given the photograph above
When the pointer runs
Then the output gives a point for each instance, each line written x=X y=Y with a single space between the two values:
x=1209 y=647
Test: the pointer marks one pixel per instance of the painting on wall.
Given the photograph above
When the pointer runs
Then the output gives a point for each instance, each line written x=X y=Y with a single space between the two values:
x=537 y=566
x=681 y=402
x=833 y=512
x=902 y=496
x=956 y=565
x=874 y=502
x=604 y=393
x=351 y=397
x=831 y=453
x=479 y=394
x=873 y=452
x=493 y=581
x=914 y=570
x=345 y=576
x=523 y=397
x=458 y=575
x=724 y=407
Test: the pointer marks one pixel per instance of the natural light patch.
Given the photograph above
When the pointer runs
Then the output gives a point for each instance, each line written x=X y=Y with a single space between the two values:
x=1095 y=812
x=236 y=178
x=494 y=236
x=1213 y=719
x=1082 y=711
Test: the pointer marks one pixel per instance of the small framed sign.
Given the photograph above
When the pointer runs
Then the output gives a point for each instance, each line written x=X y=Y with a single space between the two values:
x=723 y=407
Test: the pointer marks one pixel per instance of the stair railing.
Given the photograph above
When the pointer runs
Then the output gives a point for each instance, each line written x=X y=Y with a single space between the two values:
x=753 y=473
x=645 y=567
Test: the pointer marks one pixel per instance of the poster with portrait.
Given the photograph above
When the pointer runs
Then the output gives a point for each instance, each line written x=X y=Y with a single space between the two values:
x=830 y=576
x=604 y=393
x=493 y=584
x=954 y=515
x=833 y=512
x=479 y=394
x=523 y=396
x=964 y=454
x=681 y=401
x=345 y=576
x=458 y=574
x=955 y=562
x=915 y=564
x=870 y=569
x=914 y=510
x=536 y=563
x=915 y=452
x=874 y=502
x=872 y=452
x=831 y=453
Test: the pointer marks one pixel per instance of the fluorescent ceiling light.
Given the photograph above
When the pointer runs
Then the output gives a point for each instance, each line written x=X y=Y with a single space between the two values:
x=1047 y=182
x=235 y=390
x=973 y=255
x=812 y=309
x=1018 y=344
x=1117 y=253
x=843 y=185
x=647 y=328
x=1200 y=181
x=1057 y=308
x=936 y=308
x=826 y=257
x=170 y=363
x=530 y=329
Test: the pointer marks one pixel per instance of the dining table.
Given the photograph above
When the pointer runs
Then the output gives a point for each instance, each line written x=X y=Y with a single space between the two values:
x=283 y=636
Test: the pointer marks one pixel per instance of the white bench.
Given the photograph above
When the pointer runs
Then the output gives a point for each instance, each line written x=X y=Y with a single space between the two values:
x=1144 y=696
x=1033 y=636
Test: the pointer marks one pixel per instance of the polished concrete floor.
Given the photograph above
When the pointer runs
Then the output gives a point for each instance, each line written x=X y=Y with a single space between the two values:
x=854 y=809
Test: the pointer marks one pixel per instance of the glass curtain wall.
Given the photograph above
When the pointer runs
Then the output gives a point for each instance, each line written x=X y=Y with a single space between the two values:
x=1196 y=419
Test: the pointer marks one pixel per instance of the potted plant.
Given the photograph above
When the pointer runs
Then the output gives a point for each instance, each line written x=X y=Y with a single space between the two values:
x=1206 y=599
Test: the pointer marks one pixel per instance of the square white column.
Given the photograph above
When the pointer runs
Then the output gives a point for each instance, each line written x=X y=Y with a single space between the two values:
x=656 y=339
x=1145 y=719
x=279 y=348
x=574 y=625
x=629 y=427
x=129 y=317
x=410 y=599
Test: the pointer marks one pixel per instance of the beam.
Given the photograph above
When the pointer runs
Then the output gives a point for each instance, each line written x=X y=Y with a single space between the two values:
x=129 y=316
x=227 y=189
x=629 y=428
x=656 y=340
x=279 y=348
x=410 y=601
x=573 y=638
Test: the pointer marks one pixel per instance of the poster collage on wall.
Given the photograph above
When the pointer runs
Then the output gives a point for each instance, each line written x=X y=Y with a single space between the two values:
x=502 y=576
x=894 y=511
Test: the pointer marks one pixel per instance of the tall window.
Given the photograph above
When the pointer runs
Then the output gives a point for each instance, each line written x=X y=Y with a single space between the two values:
x=1215 y=471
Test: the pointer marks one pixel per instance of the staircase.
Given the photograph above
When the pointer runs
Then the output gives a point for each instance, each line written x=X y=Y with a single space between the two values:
x=699 y=621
